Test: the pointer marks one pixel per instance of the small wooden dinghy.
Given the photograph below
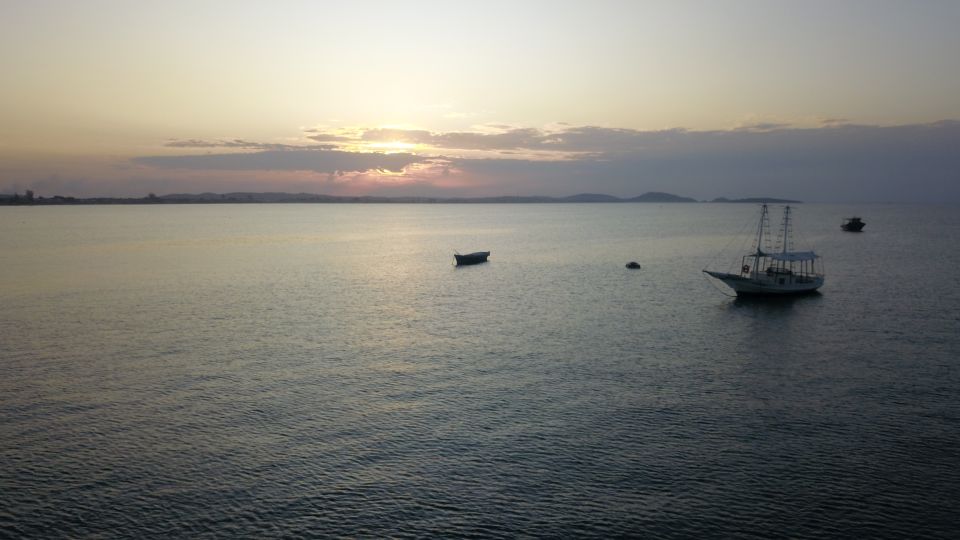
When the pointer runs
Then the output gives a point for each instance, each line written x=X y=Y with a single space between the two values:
x=471 y=258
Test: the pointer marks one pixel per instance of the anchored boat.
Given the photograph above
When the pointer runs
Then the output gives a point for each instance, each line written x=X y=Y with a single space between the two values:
x=853 y=224
x=776 y=271
x=471 y=258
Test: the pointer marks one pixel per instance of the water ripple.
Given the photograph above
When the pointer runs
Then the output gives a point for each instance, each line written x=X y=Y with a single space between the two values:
x=224 y=392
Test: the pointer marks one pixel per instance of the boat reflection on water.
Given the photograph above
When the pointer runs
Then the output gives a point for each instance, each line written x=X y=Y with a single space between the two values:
x=776 y=303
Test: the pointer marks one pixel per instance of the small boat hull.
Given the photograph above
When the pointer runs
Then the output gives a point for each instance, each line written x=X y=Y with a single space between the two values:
x=471 y=258
x=768 y=286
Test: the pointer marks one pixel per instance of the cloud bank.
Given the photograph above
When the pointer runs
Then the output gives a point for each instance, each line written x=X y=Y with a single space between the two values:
x=328 y=161
x=835 y=162
x=243 y=145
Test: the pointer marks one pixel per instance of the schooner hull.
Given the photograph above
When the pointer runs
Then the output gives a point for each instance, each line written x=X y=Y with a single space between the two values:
x=782 y=272
x=746 y=286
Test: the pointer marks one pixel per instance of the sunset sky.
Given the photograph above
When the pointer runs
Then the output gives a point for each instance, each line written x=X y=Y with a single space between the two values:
x=819 y=101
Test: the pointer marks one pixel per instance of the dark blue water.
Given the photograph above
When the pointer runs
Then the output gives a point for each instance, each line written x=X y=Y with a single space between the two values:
x=324 y=370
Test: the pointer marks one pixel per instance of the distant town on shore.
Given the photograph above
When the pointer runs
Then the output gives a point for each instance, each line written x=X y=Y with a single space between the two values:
x=30 y=198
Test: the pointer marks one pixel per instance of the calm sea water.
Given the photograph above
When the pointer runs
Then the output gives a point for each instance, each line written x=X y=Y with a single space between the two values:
x=323 y=370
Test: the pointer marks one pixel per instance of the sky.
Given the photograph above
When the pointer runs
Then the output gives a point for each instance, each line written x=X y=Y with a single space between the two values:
x=846 y=101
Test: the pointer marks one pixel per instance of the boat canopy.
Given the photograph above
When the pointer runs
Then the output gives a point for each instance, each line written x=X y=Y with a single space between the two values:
x=793 y=256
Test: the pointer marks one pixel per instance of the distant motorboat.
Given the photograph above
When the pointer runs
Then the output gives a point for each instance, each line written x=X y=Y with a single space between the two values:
x=776 y=271
x=853 y=224
x=471 y=258
x=633 y=265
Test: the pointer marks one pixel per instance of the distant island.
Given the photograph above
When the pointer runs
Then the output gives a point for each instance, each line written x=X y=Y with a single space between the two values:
x=767 y=200
x=29 y=198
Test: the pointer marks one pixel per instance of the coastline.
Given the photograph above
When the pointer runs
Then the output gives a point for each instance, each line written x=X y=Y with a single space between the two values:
x=258 y=198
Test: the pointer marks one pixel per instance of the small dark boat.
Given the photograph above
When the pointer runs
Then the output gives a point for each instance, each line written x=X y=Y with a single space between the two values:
x=633 y=265
x=853 y=224
x=472 y=258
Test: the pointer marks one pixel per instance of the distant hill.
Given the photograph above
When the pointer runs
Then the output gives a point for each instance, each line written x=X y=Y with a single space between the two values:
x=658 y=197
x=768 y=200
x=248 y=197
x=591 y=197
x=279 y=197
x=242 y=197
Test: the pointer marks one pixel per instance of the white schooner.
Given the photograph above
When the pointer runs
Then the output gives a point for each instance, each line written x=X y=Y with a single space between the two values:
x=775 y=272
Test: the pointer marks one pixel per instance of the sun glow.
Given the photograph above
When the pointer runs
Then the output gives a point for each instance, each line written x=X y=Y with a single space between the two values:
x=392 y=147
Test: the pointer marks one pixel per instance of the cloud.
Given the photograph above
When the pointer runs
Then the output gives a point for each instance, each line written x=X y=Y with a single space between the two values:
x=326 y=161
x=328 y=137
x=847 y=162
x=511 y=139
x=833 y=121
x=835 y=162
x=763 y=126
x=244 y=145
x=574 y=141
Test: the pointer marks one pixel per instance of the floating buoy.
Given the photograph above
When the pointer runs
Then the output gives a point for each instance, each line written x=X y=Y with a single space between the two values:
x=633 y=265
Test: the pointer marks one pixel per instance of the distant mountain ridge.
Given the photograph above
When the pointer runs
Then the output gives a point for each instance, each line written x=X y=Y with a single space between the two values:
x=309 y=197
x=659 y=197
x=281 y=197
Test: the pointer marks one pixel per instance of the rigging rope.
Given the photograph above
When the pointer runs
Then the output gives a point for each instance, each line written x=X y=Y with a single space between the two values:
x=745 y=240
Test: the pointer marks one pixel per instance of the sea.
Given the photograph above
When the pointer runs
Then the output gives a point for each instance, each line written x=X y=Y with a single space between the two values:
x=325 y=371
